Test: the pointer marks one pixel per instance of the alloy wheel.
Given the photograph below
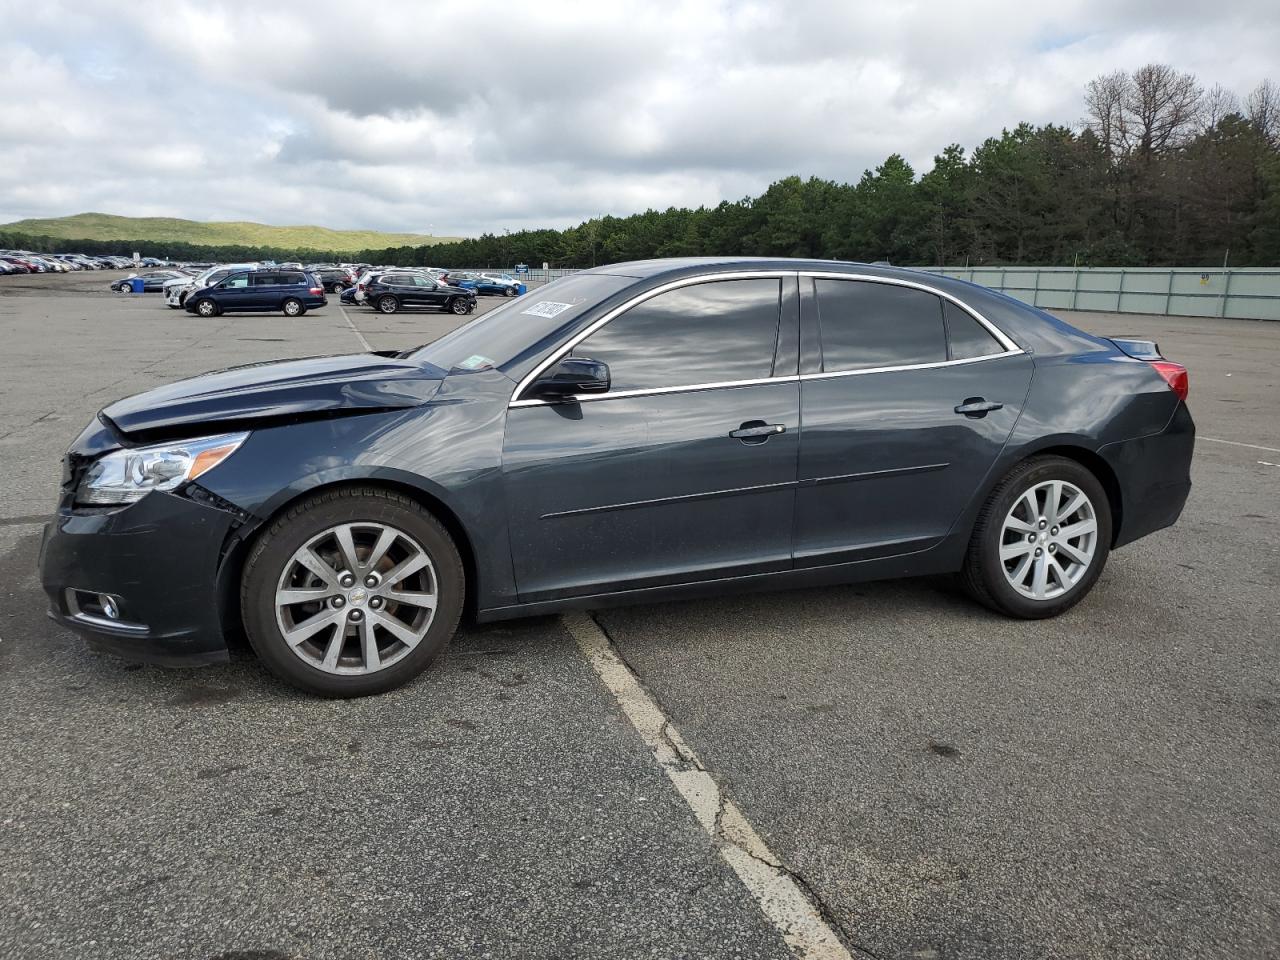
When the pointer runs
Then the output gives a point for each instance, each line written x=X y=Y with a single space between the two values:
x=206 y=308
x=357 y=598
x=1048 y=539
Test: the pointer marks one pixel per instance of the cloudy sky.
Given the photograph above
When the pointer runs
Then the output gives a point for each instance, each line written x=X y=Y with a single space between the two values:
x=460 y=117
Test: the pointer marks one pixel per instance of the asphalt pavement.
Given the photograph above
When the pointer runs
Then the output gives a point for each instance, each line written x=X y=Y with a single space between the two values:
x=944 y=783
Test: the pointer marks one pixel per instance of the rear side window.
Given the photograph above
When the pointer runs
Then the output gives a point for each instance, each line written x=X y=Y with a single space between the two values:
x=265 y=279
x=292 y=278
x=966 y=337
x=714 y=332
x=866 y=325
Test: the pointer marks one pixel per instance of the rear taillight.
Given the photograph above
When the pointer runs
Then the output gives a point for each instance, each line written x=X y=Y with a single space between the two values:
x=316 y=291
x=1175 y=375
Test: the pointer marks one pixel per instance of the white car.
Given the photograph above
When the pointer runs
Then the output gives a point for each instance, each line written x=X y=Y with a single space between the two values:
x=176 y=291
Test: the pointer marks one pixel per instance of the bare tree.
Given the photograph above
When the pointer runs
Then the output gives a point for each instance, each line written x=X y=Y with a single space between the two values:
x=1105 y=98
x=1218 y=103
x=1262 y=107
x=1163 y=105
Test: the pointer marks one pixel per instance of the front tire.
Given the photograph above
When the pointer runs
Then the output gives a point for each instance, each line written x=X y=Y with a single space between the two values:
x=1040 y=541
x=458 y=307
x=207 y=308
x=352 y=592
x=510 y=292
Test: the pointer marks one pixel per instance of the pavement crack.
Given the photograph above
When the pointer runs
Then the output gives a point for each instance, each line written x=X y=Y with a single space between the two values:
x=30 y=423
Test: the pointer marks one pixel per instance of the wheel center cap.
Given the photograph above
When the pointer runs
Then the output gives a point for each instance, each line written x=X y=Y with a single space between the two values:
x=357 y=596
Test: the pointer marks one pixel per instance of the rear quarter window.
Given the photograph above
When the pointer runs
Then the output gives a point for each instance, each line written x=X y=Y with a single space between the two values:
x=966 y=337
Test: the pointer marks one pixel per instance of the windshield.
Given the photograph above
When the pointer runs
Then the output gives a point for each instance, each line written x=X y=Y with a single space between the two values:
x=505 y=334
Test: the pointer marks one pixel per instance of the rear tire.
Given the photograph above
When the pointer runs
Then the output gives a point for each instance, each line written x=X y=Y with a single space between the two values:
x=1030 y=557
x=293 y=308
x=333 y=664
x=388 y=304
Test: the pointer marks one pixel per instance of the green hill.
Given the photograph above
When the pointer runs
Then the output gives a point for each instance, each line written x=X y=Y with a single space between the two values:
x=105 y=226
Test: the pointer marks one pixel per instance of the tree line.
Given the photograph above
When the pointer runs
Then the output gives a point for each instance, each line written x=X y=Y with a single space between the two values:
x=1160 y=171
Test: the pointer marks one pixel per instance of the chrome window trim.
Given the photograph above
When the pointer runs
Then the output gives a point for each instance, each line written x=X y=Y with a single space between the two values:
x=828 y=374
x=1011 y=348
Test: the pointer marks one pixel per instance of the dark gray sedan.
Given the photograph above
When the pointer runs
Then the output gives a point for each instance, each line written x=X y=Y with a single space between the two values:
x=634 y=432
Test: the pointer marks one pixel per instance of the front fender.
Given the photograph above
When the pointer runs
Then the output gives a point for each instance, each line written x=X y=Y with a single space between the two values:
x=449 y=451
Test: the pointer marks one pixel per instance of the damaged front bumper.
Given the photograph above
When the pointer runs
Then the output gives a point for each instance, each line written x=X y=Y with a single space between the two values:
x=144 y=581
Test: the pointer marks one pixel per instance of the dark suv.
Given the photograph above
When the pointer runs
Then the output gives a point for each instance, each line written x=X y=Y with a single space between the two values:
x=333 y=279
x=390 y=291
x=292 y=292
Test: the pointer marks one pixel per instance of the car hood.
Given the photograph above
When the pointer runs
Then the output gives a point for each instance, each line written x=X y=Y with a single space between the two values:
x=281 y=391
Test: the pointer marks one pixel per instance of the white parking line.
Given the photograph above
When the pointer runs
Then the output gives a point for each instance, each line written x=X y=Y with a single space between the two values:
x=777 y=894
x=1237 y=443
x=359 y=336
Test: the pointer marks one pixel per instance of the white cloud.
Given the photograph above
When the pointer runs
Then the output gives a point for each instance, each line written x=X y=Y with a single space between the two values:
x=459 y=117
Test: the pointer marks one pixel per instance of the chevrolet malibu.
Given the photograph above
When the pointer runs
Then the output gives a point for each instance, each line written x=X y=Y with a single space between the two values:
x=634 y=432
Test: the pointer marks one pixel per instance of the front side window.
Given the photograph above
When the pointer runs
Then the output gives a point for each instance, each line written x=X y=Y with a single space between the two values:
x=715 y=332
x=235 y=282
x=864 y=325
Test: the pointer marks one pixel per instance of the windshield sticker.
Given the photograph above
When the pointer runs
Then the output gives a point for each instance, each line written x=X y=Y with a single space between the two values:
x=547 y=308
x=475 y=362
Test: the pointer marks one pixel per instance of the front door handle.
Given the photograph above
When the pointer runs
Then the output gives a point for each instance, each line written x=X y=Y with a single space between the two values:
x=757 y=431
x=978 y=407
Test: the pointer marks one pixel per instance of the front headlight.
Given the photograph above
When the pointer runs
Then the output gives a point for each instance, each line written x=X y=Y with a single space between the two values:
x=126 y=476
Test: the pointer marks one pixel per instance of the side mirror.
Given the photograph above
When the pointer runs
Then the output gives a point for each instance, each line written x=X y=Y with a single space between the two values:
x=573 y=375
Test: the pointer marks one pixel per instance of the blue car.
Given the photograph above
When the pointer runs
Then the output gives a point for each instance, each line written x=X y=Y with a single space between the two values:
x=291 y=292
x=348 y=295
x=500 y=285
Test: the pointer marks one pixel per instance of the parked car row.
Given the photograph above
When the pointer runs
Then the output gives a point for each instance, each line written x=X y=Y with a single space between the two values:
x=210 y=289
x=15 y=262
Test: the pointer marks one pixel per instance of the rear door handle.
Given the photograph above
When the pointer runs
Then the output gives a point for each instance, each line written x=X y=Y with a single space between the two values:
x=757 y=431
x=978 y=407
